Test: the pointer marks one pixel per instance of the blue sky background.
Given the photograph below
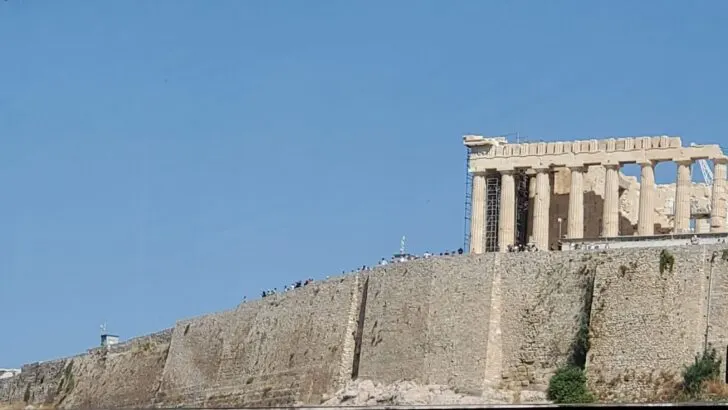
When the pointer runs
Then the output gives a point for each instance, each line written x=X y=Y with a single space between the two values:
x=163 y=159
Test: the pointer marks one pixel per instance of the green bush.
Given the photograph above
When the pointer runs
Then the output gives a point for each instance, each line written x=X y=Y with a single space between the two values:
x=705 y=368
x=568 y=385
x=667 y=261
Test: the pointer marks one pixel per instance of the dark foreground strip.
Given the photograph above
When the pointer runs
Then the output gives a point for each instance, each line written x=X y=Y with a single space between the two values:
x=478 y=406
x=516 y=406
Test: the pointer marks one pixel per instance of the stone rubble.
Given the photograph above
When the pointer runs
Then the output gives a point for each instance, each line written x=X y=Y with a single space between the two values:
x=368 y=393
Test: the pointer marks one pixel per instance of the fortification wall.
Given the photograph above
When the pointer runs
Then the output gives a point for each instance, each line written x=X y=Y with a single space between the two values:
x=285 y=348
x=717 y=305
x=123 y=375
x=475 y=323
x=649 y=322
x=492 y=320
x=37 y=383
x=427 y=321
x=194 y=359
x=544 y=296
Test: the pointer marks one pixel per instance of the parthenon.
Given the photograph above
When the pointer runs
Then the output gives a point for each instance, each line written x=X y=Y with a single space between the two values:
x=517 y=188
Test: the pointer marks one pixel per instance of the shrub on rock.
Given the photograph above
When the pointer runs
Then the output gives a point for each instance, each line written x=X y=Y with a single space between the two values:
x=568 y=385
x=705 y=368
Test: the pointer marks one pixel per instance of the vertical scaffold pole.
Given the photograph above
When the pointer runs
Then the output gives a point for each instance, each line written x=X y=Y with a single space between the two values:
x=468 y=201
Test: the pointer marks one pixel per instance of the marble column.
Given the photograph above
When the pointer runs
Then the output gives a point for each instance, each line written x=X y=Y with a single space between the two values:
x=646 y=216
x=542 y=202
x=477 y=212
x=507 y=215
x=718 y=201
x=575 y=220
x=610 y=210
x=702 y=225
x=682 y=197
x=531 y=204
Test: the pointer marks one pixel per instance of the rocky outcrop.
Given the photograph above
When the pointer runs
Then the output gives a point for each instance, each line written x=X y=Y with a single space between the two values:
x=408 y=393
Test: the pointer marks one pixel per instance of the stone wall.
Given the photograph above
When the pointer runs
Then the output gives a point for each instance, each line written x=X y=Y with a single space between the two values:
x=427 y=321
x=37 y=383
x=474 y=322
x=493 y=320
x=544 y=296
x=279 y=350
x=123 y=375
x=648 y=322
x=716 y=273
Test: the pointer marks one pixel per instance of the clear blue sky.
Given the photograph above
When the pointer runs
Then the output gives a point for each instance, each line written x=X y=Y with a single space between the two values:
x=160 y=160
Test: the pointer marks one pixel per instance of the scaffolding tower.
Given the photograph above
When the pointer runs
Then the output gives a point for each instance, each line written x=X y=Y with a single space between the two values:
x=522 y=205
x=492 y=205
x=468 y=201
x=492 y=211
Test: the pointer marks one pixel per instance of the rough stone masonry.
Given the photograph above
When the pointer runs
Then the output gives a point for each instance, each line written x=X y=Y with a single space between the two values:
x=472 y=322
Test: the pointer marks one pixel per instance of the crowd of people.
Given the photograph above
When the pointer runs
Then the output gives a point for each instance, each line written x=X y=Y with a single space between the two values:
x=287 y=288
x=519 y=247
x=407 y=257
x=400 y=258
x=404 y=257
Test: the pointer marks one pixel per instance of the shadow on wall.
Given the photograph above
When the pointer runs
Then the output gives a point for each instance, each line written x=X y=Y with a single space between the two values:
x=593 y=208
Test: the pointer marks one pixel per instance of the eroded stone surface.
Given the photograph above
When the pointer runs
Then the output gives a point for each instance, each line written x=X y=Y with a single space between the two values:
x=400 y=393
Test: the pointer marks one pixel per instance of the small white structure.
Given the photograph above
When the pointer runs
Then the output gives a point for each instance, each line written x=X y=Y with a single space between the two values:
x=108 y=339
x=8 y=373
x=402 y=256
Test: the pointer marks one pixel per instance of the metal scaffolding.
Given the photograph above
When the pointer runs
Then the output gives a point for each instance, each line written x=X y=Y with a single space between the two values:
x=492 y=206
x=468 y=202
x=522 y=204
x=492 y=211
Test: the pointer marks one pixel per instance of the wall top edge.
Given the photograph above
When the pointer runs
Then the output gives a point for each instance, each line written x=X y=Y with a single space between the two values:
x=479 y=140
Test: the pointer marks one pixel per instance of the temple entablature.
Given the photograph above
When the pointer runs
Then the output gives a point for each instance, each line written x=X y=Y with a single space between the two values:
x=497 y=154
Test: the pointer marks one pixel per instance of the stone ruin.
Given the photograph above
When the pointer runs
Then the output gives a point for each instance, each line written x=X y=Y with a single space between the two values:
x=522 y=193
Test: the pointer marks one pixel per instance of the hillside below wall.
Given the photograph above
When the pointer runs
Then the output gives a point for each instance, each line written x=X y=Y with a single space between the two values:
x=504 y=321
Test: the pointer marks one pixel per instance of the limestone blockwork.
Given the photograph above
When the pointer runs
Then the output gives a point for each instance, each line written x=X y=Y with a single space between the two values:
x=496 y=320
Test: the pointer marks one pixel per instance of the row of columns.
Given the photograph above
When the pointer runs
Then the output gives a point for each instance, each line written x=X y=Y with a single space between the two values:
x=540 y=193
